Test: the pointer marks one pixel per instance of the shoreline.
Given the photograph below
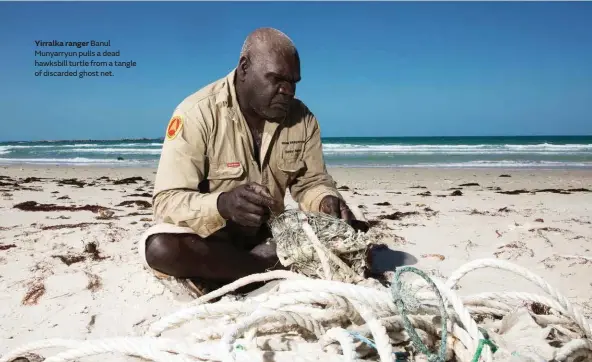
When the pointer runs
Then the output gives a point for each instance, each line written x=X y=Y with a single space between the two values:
x=329 y=167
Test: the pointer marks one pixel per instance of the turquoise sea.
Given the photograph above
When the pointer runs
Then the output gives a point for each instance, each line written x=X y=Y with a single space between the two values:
x=459 y=152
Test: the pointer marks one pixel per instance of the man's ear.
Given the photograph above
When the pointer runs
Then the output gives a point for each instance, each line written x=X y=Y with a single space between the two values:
x=243 y=67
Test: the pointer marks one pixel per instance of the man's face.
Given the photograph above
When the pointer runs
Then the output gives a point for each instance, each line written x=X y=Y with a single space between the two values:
x=271 y=81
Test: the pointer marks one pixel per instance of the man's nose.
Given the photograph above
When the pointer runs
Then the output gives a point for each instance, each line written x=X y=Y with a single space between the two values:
x=288 y=89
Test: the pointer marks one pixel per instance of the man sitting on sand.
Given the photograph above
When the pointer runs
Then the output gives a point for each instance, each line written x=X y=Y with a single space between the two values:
x=230 y=152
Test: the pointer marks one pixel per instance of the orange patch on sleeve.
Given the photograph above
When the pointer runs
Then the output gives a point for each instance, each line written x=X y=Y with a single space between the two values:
x=174 y=127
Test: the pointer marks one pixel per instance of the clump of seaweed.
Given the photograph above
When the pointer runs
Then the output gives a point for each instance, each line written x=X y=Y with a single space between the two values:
x=35 y=206
x=128 y=180
x=398 y=215
x=93 y=250
x=36 y=289
x=70 y=259
x=71 y=182
x=141 y=203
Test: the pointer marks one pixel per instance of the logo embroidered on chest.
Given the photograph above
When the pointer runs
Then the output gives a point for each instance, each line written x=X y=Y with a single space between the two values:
x=233 y=164
x=174 y=127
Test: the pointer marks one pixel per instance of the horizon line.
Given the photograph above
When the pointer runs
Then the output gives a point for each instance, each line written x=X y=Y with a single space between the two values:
x=327 y=137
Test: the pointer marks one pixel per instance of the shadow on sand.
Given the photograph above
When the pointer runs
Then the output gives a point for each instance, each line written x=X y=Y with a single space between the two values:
x=385 y=259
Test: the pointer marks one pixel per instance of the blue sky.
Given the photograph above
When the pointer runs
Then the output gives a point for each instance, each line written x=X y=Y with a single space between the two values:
x=368 y=69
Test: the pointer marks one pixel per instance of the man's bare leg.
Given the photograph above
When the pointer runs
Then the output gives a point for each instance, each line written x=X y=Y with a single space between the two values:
x=217 y=260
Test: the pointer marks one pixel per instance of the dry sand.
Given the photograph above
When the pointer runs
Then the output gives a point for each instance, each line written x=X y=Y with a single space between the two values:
x=73 y=274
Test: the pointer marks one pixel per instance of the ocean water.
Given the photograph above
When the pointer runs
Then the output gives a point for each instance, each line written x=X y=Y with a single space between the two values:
x=456 y=152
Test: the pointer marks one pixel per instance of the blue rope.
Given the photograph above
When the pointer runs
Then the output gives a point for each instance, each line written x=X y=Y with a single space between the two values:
x=400 y=356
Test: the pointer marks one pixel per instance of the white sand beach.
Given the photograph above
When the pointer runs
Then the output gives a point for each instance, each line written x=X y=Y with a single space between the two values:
x=71 y=274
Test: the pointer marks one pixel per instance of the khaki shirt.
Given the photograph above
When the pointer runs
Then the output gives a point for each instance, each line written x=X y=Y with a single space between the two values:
x=208 y=149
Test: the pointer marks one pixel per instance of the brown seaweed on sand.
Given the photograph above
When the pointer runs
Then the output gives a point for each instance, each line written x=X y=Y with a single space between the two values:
x=477 y=212
x=513 y=192
x=430 y=212
x=128 y=180
x=456 y=193
x=470 y=184
x=552 y=191
x=145 y=194
x=92 y=249
x=386 y=203
x=397 y=215
x=72 y=226
x=71 y=182
x=34 y=292
x=546 y=228
x=141 y=203
x=7 y=184
x=34 y=206
x=7 y=246
x=70 y=259
x=514 y=250
x=563 y=191
x=138 y=214
x=30 y=179
x=16 y=187
x=91 y=323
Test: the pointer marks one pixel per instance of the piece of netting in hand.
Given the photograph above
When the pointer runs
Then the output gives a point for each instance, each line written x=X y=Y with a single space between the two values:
x=295 y=250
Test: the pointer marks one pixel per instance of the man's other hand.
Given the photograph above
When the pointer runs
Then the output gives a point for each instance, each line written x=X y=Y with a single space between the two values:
x=337 y=208
x=247 y=205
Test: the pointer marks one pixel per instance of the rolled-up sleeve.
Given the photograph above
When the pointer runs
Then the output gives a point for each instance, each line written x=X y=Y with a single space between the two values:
x=309 y=188
x=180 y=170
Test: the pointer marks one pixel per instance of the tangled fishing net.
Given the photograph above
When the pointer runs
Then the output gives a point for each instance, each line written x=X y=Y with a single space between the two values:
x=313 y=318
x=323 y=247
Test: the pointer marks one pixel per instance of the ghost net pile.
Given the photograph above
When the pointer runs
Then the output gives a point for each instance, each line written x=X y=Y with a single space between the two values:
x=320 y=246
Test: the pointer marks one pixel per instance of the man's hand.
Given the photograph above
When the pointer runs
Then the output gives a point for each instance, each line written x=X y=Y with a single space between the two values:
x=337 y=208
x=247 y=205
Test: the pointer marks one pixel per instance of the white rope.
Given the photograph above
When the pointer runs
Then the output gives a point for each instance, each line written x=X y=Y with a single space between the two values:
x=523 y=272
x=323 y=307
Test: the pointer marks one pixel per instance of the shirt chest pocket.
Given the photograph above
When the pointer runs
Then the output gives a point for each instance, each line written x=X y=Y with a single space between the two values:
x=224 y=175
x=291 y=168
